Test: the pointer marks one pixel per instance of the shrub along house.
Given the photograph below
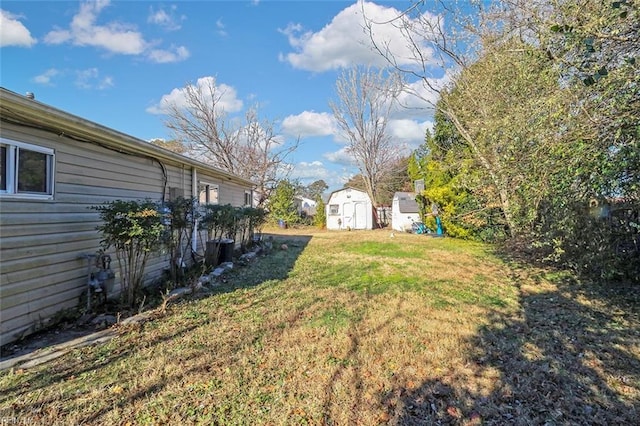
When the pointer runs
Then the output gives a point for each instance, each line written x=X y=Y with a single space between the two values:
x=53 y=167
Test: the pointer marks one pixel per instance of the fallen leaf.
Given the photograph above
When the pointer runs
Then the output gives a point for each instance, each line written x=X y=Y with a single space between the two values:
x=384 y=417
x=454 y=411
x=117 y=390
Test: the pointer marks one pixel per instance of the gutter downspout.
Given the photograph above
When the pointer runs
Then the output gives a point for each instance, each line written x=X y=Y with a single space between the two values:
x=194 y=194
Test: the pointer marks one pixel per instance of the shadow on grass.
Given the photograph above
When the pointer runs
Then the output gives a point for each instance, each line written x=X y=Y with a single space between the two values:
x=21 y=398
x=275 y=265
x=351 y=361
x=277 y=268
x=282 y=252
x=572 y=356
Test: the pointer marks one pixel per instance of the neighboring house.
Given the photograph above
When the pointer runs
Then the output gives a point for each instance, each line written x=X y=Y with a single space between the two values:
x=305 y=206
x=53 y=167
x=349 y=208
x=404 y=211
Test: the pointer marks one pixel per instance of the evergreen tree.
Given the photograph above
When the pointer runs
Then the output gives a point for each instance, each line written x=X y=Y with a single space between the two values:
x=281 y=203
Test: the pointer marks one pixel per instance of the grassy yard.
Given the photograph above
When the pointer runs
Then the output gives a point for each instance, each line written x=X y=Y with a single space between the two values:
x=358 y=328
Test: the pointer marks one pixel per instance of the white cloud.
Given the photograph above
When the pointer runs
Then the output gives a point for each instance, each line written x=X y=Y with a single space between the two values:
x=340 y=156
x=309 y=172
x=114 y=37
x=309 y=123
x=221 y=28
x=314 y=170
x=166 y=20
x=228 y=97
x=420 y=96
x=176 y=54
x=57 y=36
x=13 y=32
x=344 y=42
x=91 y=79
x=45 y=77
x=409 y=134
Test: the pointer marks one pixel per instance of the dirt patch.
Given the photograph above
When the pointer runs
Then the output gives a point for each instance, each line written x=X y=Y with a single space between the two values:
x=58 y=334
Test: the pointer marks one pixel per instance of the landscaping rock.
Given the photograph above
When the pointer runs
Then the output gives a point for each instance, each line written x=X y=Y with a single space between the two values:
x=217 y=272
x=226 y=265
x=179 y=292
x=104 y=320
x=137 y=319
x=248 y=257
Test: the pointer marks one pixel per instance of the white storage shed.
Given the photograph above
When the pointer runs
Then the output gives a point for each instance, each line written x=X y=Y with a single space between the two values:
x=404 y=211
x=349 y=208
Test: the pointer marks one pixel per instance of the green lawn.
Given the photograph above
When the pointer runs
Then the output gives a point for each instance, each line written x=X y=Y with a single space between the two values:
x=359 y=328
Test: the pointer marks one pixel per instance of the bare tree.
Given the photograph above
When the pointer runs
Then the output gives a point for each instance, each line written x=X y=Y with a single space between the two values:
x=366 y=98
x=437 y=56
x=251 y=148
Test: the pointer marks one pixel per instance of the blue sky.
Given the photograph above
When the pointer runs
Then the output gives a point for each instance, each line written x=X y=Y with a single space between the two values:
x=114 y=62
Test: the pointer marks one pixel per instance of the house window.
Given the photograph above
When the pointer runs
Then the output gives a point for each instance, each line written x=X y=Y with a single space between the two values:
x=333 y=209
x=26 y=170
x=248 y=199
x=208 y=193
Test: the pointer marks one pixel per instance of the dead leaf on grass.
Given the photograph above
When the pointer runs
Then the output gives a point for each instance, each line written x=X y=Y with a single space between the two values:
x=454 y=412
x=384 y=417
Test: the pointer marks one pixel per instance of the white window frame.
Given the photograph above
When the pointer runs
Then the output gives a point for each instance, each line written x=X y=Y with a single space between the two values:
x=207 y=188
x=334 y=209
x=11 y=167
x=248 y=199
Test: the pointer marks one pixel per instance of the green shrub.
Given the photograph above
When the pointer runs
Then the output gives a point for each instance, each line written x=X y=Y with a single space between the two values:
x=134 y=230
x=181 y=216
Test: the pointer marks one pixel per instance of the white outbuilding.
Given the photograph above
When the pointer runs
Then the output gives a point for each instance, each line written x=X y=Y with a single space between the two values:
x=349 y=208
x=404 y=211
x=305 y=205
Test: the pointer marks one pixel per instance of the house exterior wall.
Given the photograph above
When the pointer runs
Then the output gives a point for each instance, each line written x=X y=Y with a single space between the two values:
x=229 y=192
x=42 y=241
x=349 y=208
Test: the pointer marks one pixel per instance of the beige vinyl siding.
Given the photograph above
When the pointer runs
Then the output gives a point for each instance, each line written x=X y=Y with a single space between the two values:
x=42 y=241
x=229 y=193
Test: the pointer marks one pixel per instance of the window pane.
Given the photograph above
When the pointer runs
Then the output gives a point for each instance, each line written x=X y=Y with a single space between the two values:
x=208 y=194
x=3 y=168
x=202 y=194
x=213 y=195
x=32 y=171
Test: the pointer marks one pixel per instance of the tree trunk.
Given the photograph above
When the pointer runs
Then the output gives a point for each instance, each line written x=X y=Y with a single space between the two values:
x=503 y=193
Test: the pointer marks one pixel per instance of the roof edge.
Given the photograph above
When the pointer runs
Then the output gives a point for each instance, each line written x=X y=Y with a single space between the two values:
x=40 y=113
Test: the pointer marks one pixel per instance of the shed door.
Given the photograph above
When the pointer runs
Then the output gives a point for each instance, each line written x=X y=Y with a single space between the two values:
x=347 y=215
x=360 y=216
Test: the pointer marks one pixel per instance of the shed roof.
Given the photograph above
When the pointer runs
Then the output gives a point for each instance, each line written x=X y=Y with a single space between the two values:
x=347 y=188
x=24 y=111
x=407 y=202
